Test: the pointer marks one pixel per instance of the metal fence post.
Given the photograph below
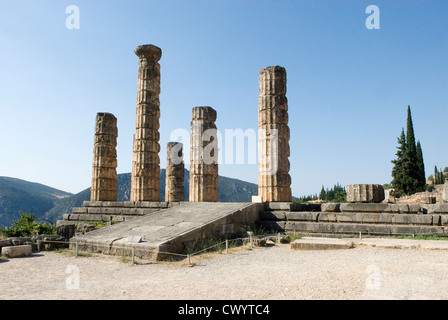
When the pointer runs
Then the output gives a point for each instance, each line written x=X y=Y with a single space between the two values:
x=76 y=250
x=133 y=255
x=189 y=262
x=227 y=246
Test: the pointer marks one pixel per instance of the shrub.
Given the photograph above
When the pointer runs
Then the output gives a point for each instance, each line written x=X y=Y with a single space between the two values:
x=26 y=226
x=288 y=238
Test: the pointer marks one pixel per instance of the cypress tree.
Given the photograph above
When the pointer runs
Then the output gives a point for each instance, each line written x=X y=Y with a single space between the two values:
x=398 y=171
x=421 y=168
x=436 y=175
x=412 y=166
x=323 y=194
x=439 y=178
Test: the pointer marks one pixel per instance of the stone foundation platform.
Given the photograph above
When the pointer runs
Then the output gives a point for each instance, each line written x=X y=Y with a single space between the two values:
x=374 y=219
x=113 y=211
x=162 y=227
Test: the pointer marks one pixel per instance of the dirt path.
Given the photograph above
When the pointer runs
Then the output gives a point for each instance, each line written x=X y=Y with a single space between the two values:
x=277 y=273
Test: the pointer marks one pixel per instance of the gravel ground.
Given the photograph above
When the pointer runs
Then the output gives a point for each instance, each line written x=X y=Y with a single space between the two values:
x=275 y=273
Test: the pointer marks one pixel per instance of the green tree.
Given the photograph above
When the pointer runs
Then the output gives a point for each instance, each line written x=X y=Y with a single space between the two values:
x=421 y=168
x=323 y=194
x=340 y=193
x=408 y=173
x=412 y=166
x=439 y=177
x=399 y=179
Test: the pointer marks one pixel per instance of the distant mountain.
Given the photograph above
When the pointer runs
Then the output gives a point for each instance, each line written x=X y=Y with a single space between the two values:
x=230 y=190
x=50 y=204
x=19 y=195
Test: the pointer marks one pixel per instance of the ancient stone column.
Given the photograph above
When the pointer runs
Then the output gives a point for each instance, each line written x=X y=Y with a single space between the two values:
x=274 y=181
x=203 y=156
x=174 y=180
x=104 y=176
x=145 y=180
x=366 y=193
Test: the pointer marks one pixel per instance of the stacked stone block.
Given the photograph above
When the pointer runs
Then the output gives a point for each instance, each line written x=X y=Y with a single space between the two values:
x=365 y=193
x=145 y=181
x=445 y=192
x=274 y=180
x=203 y=156
x=104 y=176
x=175 y=171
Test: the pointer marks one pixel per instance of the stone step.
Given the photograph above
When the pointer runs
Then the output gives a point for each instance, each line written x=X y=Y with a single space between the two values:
x=327 y=243
x=440 y=207
x=78 y=217
x=354 y=228
x=129 y=204
x=321 y=244
x=291 y=206
x=357 y=217
x=114 y=210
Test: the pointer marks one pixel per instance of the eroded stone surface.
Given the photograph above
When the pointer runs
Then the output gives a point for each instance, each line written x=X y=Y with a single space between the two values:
x=445 y=192
x=366 y=193
x=274 y=180
x=175 y=171
x=145 y=180
x=203 y=156
x=104 y=175
x=17 y=251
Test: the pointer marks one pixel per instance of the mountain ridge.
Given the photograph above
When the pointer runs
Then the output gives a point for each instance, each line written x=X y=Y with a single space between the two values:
x=20 y=195
x=50 y=204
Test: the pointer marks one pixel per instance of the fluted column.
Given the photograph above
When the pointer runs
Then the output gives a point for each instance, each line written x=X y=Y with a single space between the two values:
x=273 y=136
x=175 y=171
x=145 y=181
x=203 y=156
x=104 y=175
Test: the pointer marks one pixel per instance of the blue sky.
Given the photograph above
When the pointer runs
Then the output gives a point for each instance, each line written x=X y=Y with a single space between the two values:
x=348 y=86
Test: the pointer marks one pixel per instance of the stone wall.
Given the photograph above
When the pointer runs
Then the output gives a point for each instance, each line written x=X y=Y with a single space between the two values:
x=369 y=219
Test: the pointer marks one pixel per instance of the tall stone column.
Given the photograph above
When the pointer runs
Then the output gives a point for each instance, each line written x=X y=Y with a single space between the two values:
x=203 y=156
x=174 y=180
x=274 y=180
x=104 y=176
x=145 y=180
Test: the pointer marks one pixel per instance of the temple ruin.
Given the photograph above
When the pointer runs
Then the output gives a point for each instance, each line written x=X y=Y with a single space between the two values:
x=274 y=180
x=203 y=156
x=167 y=226
x=145 y=181
x=104 y=175
x=175 y=171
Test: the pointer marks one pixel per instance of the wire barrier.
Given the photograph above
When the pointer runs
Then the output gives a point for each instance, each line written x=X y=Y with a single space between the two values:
x=220 y=246
x=130 y=250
